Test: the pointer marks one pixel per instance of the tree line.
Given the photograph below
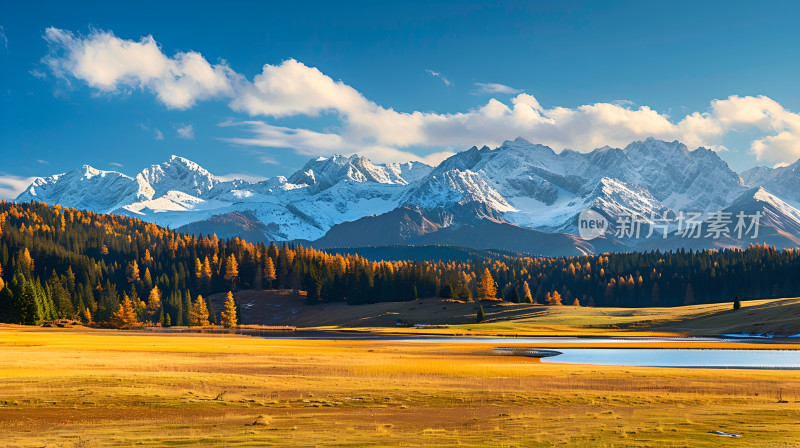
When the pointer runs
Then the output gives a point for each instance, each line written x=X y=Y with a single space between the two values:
x=111 y=270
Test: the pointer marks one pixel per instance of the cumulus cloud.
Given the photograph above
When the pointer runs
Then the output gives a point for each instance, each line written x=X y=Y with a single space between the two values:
x=491 y=88
x=109 y=64
x=740 y=114
x=11 y=186
x=438 y=75
x=184 y=131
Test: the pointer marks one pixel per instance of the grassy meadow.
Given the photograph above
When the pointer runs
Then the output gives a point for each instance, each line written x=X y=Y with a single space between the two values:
x=83 y=388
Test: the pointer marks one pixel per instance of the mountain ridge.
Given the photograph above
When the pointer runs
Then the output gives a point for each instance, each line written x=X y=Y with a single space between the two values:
x=528 y=186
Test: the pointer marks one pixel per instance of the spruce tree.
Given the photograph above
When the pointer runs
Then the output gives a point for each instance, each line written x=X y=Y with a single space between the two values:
x=229 y=318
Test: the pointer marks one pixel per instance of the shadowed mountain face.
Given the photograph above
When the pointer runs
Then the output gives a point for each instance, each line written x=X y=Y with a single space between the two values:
x=517 y=194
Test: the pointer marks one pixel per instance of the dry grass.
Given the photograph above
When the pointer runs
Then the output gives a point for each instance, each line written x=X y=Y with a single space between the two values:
x=72 y=387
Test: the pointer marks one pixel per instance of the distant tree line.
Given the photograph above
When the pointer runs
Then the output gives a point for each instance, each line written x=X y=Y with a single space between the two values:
x=111 y=270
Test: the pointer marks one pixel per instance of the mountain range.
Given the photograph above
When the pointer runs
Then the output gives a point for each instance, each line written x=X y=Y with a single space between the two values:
x=520 y=196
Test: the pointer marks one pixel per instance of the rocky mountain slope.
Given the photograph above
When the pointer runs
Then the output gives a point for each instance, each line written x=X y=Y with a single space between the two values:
x=519 y=196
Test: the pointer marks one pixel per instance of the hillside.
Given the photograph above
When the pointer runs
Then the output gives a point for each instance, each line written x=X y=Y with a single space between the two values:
x=775 y=316
x=66 y=263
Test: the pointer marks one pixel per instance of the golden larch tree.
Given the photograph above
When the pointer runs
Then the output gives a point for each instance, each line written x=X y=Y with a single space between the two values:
x=553 y=298
x=132 y=272
x=526 y=293
x=125 y=316
x=231 y=270
x=486 y=287
x=229 y=319
x=269 y=272
x=153 y=307
x=198 y=314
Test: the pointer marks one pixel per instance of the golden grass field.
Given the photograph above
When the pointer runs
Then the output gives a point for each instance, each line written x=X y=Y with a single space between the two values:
x=81 y=387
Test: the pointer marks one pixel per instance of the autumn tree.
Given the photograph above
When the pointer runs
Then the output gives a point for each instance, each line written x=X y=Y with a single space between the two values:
x=229 y=318
x=153 y=308
x=486 y=287
x=198 y=313
x=25 y=262
x=553 y=298
x=125 y=316
x=269 y=272
x=231 y=270
x=132 y=272
x=526 y=293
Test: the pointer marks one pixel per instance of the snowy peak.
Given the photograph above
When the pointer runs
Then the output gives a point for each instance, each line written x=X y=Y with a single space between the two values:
x=779 y=223
x=783 y=181
x=523 y=184
x=456 y=187
x=178 y=174
x=323 y=173
x=409 y=171
x=85 y=187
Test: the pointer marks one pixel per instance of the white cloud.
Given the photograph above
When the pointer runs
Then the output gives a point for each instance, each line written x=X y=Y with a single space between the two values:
x=184 y=131
x=3 y=37
x=116 y=164
x=11 y=186
x=292 y=88
x=749 y=113
x=158 y=134
x=491 y=88
x=623 y=103
x=438 y=75
x=109 y=63
x=42 y=161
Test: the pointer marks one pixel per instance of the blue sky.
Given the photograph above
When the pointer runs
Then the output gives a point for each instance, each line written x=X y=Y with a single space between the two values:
x=257 y=88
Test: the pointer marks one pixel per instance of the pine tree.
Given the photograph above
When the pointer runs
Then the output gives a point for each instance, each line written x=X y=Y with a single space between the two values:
x=125 y=316
x=269 y=272
x=132 y=272
x=526 y=293
x=231 y=270
x=212 y=315
x=486 y=287
x=553 y=298
x=737 y=304
x=229 y=319
x=198 y=315
x=153 y=307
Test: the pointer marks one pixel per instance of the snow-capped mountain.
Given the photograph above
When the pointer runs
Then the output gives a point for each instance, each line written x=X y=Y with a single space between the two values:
x=783 y=181
x=87 y=188
x=529 y=191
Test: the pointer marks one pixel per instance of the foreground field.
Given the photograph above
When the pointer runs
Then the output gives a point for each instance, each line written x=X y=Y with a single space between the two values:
x=74 y=387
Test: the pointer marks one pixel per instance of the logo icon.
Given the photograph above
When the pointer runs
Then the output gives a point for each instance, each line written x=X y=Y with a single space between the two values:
x=591 y=224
